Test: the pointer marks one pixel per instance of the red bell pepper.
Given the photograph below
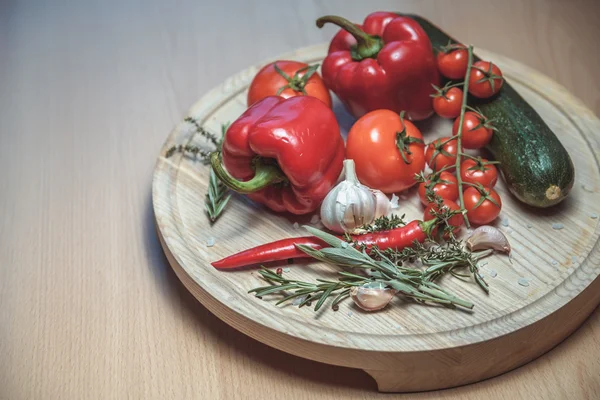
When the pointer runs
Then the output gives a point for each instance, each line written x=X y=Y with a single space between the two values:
x=284 y=153
x=387 y=62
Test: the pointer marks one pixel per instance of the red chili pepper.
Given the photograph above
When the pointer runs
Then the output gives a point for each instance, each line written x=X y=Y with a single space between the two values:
x=284 y=153
x=385 y=63
x=397 y=238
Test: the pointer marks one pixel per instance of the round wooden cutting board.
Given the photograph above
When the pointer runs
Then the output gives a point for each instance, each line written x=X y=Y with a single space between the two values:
x=536 y=299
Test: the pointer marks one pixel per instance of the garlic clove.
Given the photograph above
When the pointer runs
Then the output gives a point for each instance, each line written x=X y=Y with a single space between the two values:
x=488 y=237
x=372 y=298
x=383 y=205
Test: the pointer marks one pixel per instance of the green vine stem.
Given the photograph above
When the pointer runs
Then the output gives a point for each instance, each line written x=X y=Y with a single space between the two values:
x=459 y=135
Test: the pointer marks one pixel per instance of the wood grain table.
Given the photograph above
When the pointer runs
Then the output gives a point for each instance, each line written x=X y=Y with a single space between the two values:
x=89 y=307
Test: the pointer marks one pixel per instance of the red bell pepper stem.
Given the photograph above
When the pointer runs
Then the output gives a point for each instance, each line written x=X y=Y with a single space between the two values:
x=285 y=249
x=367 y=46
x=265 y=175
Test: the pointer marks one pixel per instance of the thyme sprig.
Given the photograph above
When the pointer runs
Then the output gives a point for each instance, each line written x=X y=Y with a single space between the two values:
x=385 y=223
x=393 y=268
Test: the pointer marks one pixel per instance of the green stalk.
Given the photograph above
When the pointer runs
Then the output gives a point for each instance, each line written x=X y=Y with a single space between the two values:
x=367 y=46
x=264 y=175
x=459 y=135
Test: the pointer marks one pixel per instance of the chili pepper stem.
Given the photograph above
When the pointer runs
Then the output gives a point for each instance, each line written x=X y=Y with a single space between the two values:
x=427 y=226
x=265 y=175
x=367 y=46
x=459 y=134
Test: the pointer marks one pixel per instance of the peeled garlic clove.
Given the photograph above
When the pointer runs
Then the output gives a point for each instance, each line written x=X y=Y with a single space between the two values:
x=372 y=298
x=488 y=237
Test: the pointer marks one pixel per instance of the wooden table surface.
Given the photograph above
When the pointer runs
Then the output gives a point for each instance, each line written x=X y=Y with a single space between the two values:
x=89 y=307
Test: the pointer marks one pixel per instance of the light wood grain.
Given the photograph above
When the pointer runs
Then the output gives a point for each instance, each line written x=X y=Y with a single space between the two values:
x=407 y=344
x=89 y=307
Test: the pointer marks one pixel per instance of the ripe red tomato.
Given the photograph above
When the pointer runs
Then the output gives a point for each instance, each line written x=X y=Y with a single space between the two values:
x=456 y=220
x=375 y=142
x=441 y=153
x=479 y=171
x=476 y=131
x=448 y=104
x=295 y=78
x=485 y=79
x=482 y=204
x=452 y=62
x=445 y=185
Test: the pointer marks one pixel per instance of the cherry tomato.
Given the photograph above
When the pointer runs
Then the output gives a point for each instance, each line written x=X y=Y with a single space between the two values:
x=476 y=131
x=448 y=104
x=375 y=142
x=487 y=210
x=479 y=171
x=440 y=155
x=485 y=79
x=452 y=62
x=445 y=185
x=268 y=82
x=456 y=220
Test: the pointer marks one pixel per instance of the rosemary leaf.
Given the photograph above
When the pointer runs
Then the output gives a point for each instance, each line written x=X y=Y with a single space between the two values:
x=324 y=296
x=217 y=197
x=344 y=294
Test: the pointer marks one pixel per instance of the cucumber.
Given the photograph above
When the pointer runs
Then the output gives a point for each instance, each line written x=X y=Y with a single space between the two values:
x=534 y=164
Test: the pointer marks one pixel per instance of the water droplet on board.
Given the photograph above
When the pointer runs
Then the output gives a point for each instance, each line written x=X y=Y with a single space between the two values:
x=557 y=226
x=523 y=282
x=210 y=242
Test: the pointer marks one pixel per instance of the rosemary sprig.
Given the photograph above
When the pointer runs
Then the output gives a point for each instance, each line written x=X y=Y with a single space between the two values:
x=217 y=195
x=319 y=291
x=393 y=268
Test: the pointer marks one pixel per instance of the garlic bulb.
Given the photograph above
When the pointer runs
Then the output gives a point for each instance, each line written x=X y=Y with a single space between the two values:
x=349 y=205
x=372 y=296
x=488 y=237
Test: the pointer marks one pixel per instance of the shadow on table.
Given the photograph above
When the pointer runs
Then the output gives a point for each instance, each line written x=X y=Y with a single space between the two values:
x=170 y=285
x=280 y=362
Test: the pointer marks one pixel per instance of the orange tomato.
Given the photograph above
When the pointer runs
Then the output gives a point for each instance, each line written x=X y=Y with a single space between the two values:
x=375 y=142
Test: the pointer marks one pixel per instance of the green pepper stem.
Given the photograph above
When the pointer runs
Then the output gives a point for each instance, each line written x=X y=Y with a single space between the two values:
x=367 y=46
x=264 y=175
x=427 y=226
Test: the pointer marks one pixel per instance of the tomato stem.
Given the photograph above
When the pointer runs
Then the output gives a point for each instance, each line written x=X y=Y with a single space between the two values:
x=463 y=108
